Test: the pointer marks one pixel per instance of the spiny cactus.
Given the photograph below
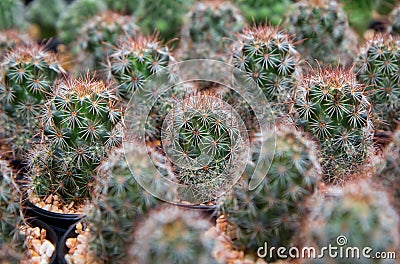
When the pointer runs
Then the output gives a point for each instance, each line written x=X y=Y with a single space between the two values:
x=9 y=39
x=394 y=27
x=172 y=235
x=206 y=28
x=378 y=68
x=362 y=214
x=10 y=215
x=79 y=127
x=11 y=14
x=332 y=105
x=269 y=59
x=117 y=210
x=134 y=60
x=324 y=30
x=75 y=15
x=272 y=212
x=29 y=71
x=45 y=14
x=98 y=35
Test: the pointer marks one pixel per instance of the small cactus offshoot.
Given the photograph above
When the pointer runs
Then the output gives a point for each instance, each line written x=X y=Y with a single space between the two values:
x=378 y=68
x=273 y=211
x=332 y=105
x=172 y=235
x=80 y=125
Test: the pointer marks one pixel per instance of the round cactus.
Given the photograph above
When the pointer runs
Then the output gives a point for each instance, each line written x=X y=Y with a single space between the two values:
x=394 y=27
x=268 y=57
x=272 y=212
x=378 y=68
x=75 y=16
x=29 y=72
x=323 y=28
x=359 y=216
x=11 y=14
x=332 y=105
x=206 y=28
x=172 y=235
x=98 y=35
x=80 y=125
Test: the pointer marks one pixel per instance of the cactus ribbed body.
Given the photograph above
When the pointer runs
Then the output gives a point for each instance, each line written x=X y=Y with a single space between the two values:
x=332 y=105
x=272 y=212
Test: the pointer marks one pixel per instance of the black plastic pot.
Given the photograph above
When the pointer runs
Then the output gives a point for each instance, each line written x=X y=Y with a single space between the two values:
x=62 y=249
x=50 y=235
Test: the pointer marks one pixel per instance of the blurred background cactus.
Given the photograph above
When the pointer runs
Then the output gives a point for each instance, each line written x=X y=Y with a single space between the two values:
x=74 y=17
x=45 y=18
x=172 y=235
x=80 y=126
x=99 y=35
x=273 y=211
x=12 y=14
x=324 y=32
x=126 y=7
x=394 y=20
x=9 y=39
x=332 y=105
x=208 y=28
x=378 y=68
x=362 y=214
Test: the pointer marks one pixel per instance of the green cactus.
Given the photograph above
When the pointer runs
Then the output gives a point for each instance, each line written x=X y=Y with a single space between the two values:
x=268 y=57
x=394 y=27
x=9 y=39
x=98 y=35
x=117 y=210
x=45 y=14
x=11 y=14
x=28 y=73
x=10 y=214
x=260 y=10
x=323 y=28
x=206 y=28
x=332 y=105
x=126 y=7
x=172 y=235
x=360 y=213
x=272 y=212
x=80 y=125
x=378 y=68
x=74 y=17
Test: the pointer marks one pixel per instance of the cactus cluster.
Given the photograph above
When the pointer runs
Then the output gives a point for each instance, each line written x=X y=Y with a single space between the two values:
x=332 y=105
x=80 y=125
x=273 y=211
x=74 y=17
x=378 y=68
x=172 y=235
x=269 y=59
x=28 y=73
x=323 y=28
x=11 y=14
x=206 y=29
x=359 y=212
x=98 y=35
x=394 y=27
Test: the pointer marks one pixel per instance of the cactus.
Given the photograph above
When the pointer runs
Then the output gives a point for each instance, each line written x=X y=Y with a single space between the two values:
x=11 y=14
x=332 y=105
x=10 y=215
x=45 y=18
x=29 y=71
x=75 y=16
x=206 y=28
x=117 y=210
x=98 y=35
x=126 y=7
x=272 y=212
x=80 y=126
x=324 y=30
x=360 y=213
x=268 y=57
x=9 y=39
x=172 y=235
x=378 y=68
x=394 y=18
